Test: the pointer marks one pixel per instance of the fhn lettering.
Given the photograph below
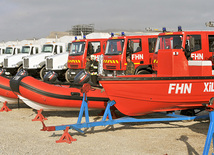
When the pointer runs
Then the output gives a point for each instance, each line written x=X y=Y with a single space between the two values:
x=180 y=88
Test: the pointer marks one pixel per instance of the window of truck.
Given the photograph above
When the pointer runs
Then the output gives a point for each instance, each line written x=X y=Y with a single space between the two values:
x=77 y=48
x=93 y=47
x=211 y=43
x=8 y=50
x=169 y=42
x=152 y=42
x=133 y=46
x=25 y=49
x=114 y=47
x=193 y=43
x=69 y=47
x=47 y=49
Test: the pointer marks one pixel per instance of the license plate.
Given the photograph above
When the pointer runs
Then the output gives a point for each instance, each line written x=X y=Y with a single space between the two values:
x=73 y=72
x=109 y=74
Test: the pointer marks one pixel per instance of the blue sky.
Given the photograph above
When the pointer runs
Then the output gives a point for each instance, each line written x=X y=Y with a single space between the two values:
x=24 y=19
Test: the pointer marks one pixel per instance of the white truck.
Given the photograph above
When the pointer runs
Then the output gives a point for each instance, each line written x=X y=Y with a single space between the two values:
x=58 y=62
x=9 y=50
x=35 y=64
x=14 y=63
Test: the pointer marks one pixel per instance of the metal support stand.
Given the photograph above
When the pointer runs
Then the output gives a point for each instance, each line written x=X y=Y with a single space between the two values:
x=66 y=137
x=39 y=116
x=84 y=107
x=210 y=134
x=5 y=107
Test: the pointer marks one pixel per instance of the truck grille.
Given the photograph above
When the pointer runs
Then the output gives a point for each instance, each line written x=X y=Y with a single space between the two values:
x=5 y=62
x=26 y=63
x=110 y=67
x=73 y=66
x=49 y=63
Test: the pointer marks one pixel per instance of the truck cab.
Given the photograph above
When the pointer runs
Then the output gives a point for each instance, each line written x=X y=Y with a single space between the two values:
x=35 y=64
x=196 y=45
x=9 y=50
x=14 y=63
x=79 y=50
x=139 y=48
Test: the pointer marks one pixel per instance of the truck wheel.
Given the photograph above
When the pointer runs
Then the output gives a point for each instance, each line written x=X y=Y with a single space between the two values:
x=143 y=72
x=67 y=76
x=42 y=73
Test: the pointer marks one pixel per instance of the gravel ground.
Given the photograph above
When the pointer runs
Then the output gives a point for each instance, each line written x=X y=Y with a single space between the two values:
x=20 y=135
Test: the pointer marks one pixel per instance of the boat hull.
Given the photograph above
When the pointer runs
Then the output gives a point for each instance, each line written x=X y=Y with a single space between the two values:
x=140 y=95
x=56 y=97
x=6 y=94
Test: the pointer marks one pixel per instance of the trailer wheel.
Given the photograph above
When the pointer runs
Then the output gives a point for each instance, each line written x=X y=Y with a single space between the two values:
x=42 y=73
x=143 y=72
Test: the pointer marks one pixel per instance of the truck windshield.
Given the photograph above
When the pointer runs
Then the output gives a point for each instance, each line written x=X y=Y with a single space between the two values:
x=25 y=49
x=47 y=49
x=9 y=50
x=77 y=48
x=169 y=42
x=114 y=47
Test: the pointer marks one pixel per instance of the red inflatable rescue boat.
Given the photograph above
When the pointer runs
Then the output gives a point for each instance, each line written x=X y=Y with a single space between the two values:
x=41 y=95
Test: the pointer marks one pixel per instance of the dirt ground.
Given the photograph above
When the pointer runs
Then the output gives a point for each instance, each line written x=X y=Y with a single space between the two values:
x=20 y=135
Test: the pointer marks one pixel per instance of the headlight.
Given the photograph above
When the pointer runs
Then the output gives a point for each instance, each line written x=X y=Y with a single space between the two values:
x=37 y=66
x=15 y=65
x=62 y=67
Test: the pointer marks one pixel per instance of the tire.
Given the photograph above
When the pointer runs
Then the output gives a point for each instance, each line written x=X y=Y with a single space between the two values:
x=143 y=72
x=67 y=76
x=42 y=73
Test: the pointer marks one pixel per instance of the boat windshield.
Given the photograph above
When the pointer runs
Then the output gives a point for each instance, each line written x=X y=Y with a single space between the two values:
x=169 y=42
x=9 y=50
x=77 y=48
x=25 y=49
x=114 y=47
x=47 y=49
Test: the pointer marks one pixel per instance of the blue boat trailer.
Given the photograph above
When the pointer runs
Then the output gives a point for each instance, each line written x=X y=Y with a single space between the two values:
x=108 y=120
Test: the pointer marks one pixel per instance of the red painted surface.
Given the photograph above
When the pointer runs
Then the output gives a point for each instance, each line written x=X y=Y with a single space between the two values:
x=5 y=82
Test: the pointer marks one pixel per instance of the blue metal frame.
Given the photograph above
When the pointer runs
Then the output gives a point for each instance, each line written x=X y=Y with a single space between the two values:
x=210 y=134
x=107 y=114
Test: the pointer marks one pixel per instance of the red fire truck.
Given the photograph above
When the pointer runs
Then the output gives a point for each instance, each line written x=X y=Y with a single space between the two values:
x=140 y=48
x=197 y=45
x=79 y=50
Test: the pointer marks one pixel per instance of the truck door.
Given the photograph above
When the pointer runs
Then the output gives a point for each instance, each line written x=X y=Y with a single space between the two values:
x=151 y=42
x=93 y=48
x=134 y=50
